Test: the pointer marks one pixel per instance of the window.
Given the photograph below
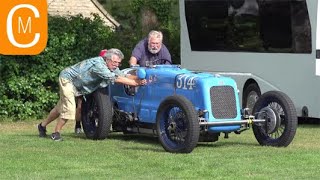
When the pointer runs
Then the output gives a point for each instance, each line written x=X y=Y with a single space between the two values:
x=249 y=25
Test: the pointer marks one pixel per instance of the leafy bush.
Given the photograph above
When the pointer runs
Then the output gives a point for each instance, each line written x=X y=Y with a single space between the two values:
x=29 y=84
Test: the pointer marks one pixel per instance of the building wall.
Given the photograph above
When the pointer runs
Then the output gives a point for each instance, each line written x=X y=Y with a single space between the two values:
x=84 y=7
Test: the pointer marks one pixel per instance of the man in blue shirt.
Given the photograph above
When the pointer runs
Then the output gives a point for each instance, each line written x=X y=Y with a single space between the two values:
x=150 y=51
x=81 y=79
x=77 y=128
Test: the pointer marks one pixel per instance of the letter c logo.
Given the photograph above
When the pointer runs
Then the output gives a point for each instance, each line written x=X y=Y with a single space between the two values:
x=9 y=26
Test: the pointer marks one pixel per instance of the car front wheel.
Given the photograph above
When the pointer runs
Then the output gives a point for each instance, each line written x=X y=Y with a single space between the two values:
x=177 y=125
x=281 y=119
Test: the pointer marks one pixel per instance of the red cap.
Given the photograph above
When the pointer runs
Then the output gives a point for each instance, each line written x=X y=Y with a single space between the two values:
x=103 y=52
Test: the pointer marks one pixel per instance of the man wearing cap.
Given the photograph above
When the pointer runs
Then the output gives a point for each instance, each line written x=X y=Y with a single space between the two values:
x=81 y=79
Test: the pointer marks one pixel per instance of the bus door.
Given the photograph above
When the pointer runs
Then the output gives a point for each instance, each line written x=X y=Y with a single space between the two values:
x=318 y=42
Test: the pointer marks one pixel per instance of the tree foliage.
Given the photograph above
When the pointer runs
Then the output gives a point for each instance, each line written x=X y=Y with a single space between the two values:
x=167 y=13
x=28 y=84
x=130 y=15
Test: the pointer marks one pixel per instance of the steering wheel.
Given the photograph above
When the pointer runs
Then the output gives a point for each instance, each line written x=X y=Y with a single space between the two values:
x=160 y=61
x=130 y=90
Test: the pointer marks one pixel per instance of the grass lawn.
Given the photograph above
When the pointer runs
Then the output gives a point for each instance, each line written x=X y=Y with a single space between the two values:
x=26 y=156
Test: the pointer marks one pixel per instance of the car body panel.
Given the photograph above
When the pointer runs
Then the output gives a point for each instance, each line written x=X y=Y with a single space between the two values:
x=215 y=95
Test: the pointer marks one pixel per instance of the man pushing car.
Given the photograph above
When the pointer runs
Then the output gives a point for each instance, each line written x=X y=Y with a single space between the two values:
x=84 y=78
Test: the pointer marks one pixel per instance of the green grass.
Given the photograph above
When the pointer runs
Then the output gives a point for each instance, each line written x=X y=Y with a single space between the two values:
x=23 y=155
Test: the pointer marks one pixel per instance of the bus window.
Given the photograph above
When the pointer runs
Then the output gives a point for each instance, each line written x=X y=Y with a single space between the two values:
x=249 y=25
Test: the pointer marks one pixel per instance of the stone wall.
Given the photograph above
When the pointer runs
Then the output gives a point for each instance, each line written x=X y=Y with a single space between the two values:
x=84 y=7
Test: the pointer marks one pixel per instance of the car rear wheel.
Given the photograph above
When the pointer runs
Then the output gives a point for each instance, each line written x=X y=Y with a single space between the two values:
x=281 y=119
x=177 y=125
x=96 y=115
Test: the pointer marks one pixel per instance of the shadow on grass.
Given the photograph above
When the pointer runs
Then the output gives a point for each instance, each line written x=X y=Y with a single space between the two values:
x=135 y=138
x=153 y=143
x=157 y=148
x=145 y=139
x=226 y=144
x=150 y=139
x=140 y=138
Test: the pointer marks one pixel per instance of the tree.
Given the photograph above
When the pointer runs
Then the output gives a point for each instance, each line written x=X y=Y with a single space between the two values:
x=138 y=17
x=28 y=84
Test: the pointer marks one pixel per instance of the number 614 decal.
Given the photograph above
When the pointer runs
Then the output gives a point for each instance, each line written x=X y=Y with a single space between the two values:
x=185 y=81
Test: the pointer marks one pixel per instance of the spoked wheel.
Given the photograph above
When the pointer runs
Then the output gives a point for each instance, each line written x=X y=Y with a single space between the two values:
x=96 y=115
x=281 y=119
x=177 y=125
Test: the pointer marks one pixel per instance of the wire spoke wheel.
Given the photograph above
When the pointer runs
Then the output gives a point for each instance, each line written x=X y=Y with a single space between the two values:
x=93 y=116
x=96 y=115
x=177 y=125
x=281 y=119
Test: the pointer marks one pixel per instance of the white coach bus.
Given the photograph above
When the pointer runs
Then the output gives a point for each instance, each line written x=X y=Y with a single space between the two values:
x=263 y=44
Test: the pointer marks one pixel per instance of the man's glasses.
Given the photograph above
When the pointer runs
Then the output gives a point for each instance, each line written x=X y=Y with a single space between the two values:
x=116 y=63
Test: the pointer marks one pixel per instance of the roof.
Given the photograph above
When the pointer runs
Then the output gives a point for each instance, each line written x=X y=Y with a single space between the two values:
x=106 y=14
x=84 y=7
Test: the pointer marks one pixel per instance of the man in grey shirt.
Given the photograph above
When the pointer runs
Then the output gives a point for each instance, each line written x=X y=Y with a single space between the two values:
x=150 y=51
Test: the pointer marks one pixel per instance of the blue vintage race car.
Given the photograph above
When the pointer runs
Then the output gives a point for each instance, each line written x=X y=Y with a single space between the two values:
x=182 y=107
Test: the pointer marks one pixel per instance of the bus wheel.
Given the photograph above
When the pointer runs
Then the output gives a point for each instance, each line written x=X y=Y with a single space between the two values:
x=250 y=96
x=281 y=119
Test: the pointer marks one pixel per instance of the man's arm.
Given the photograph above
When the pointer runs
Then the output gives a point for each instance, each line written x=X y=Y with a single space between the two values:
x=129 y=81
x=134 y=77
x=166 y=54
x=137 y=52
x=133 y=61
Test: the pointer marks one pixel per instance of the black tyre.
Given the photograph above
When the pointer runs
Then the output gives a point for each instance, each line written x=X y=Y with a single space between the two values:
x=96 y=115
x=177 y=125
x=250 y=96
x=280 y=113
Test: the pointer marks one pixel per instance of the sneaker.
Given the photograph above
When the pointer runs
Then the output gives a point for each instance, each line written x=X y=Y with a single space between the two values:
x=56 y=136
x=42 y=131
x=77 y=130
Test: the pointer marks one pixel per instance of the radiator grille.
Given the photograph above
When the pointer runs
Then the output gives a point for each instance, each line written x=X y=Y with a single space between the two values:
x=223 y=102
